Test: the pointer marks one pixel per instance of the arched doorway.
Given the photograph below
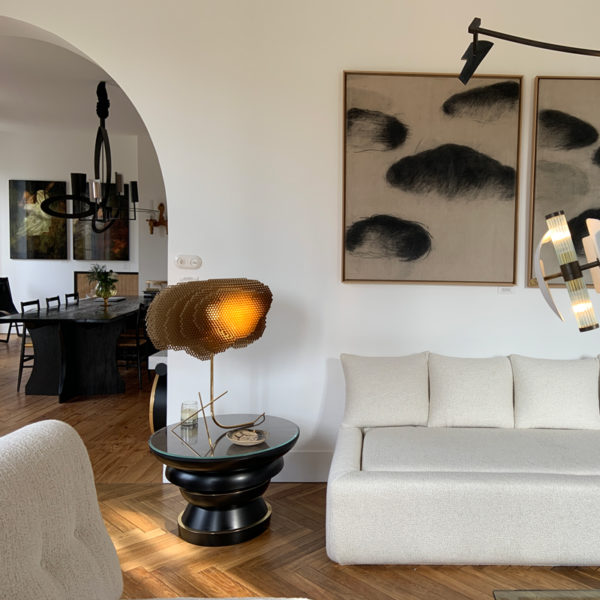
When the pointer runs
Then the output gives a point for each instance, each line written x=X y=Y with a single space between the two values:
x=47 y=130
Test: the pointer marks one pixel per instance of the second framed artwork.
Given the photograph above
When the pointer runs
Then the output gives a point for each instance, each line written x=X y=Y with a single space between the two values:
x=430 y=178
x=566 y=161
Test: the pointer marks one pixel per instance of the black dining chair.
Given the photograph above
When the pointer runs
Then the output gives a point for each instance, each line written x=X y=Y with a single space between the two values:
x=7 y=306
x=53 y=303
x=72 y=298
x=134 y=345
x=26 y=343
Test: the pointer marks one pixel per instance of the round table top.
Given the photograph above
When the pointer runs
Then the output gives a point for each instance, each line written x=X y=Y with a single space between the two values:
x=175 y=442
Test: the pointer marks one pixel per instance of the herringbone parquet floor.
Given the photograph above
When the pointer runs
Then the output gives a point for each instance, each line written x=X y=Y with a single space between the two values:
x=288 y=560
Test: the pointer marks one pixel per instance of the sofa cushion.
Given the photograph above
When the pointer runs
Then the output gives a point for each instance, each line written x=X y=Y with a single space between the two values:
x=481 y=450
x=470 y=392
x=386 y=390
x=560 y=394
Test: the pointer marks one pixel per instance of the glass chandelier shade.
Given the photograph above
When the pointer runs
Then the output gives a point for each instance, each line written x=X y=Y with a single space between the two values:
x=571 y=271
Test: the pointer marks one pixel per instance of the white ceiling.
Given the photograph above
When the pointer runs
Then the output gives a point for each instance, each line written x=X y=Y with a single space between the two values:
x=44 y=86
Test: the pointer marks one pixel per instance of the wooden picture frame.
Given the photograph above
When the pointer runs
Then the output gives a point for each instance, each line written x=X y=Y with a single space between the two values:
x=565 y=162
x=430 y=178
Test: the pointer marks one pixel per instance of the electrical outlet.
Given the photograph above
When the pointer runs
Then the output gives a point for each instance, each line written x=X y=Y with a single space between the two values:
x=188 y=261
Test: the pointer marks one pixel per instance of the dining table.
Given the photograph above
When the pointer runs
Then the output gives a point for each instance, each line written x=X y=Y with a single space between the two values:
x=75 y=346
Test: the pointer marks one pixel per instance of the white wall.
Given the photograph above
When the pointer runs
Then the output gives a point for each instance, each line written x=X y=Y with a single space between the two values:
x=243 y=101
x=52 y=156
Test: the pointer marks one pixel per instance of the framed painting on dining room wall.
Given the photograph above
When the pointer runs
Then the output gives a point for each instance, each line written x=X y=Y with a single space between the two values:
x=32 y=232
x=430 y=178
x=111 y=244
x=566 y=162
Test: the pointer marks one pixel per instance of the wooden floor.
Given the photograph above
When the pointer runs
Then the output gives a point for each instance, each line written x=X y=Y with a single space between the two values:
x=289 y=560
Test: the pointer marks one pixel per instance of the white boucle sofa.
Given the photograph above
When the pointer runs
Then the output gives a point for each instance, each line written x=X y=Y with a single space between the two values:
x=443 y=460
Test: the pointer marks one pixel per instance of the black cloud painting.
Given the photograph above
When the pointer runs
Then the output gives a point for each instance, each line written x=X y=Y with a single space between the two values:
x=561 y=130
x=566 y=173
x=386 y=236
x=484 y=102
x=453 y=171
x=430 y=178
x=374 y=130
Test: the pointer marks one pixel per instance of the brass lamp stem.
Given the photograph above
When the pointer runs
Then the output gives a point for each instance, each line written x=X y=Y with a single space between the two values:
x=258 y=419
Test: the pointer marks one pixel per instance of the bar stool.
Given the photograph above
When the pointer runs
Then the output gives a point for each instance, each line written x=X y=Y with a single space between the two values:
x=26 y=342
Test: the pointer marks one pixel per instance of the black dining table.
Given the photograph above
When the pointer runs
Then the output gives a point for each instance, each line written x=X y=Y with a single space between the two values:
x=75 y=346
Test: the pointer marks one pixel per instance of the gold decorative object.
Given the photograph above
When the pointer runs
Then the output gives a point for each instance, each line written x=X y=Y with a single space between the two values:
x=204 y=318
x=247 y=437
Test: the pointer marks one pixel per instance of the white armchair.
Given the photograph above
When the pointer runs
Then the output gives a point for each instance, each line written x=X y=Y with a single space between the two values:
x=54 y=545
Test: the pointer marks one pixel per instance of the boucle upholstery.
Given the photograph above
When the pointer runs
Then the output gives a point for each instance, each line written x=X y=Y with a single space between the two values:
x=556 y=393
x=400 y=494
x=52 y=537
x=54 y=543
x=470 y=392
x=480 y=450
x=396 y=386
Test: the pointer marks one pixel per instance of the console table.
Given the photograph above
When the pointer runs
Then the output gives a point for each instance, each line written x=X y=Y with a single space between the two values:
x=224 y=485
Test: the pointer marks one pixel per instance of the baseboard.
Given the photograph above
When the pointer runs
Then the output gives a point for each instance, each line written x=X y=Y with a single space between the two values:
x=304 y=466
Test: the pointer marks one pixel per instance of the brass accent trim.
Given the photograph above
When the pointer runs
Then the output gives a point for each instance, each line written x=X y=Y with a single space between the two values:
x=151 y=406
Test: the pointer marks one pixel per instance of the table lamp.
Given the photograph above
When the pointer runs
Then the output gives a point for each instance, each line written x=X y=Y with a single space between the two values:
x=207 y=317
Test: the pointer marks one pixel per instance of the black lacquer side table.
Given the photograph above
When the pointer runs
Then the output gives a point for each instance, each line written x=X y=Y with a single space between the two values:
x=223 y=485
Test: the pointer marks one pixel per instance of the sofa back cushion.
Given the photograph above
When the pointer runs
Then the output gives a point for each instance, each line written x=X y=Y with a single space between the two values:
x=382 y=391
x=556 y=394
x=470 y=392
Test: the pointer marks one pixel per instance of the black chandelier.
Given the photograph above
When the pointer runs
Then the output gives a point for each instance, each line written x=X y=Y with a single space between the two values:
x=100 y=200
x=478 y=49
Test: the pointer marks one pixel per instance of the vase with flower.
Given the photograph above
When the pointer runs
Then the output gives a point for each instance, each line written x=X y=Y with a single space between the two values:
x=105 y=281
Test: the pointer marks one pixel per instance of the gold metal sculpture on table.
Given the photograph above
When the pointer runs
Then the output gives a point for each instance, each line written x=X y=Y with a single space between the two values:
x=207 y=317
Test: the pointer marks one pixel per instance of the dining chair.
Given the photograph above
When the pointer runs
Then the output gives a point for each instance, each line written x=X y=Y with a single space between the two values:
x=72 y=298
x=26 y=343
x=7 y=306
x=54 y=542
x=53 y=303
x=134 y=345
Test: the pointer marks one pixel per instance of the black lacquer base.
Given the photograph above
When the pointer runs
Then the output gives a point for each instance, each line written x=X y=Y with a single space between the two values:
x=200 y=526
x=225 y=507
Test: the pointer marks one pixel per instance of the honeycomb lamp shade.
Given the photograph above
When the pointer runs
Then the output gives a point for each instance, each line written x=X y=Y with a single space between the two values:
x=207 y=317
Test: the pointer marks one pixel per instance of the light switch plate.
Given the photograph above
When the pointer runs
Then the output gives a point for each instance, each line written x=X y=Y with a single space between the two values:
x=188 y=261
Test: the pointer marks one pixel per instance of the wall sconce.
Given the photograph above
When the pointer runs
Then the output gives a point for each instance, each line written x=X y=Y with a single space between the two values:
x=478 y=50
x=570 y=269
x=160 y=222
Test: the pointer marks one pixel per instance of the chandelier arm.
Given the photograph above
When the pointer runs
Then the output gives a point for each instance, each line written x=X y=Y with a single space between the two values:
x=46 y=207
x=96 y=228
x=103 y=141
x=475 y=29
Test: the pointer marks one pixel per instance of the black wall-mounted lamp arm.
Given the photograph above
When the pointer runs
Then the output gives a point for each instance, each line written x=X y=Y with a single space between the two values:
x=475 y=28
x=478 y=49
